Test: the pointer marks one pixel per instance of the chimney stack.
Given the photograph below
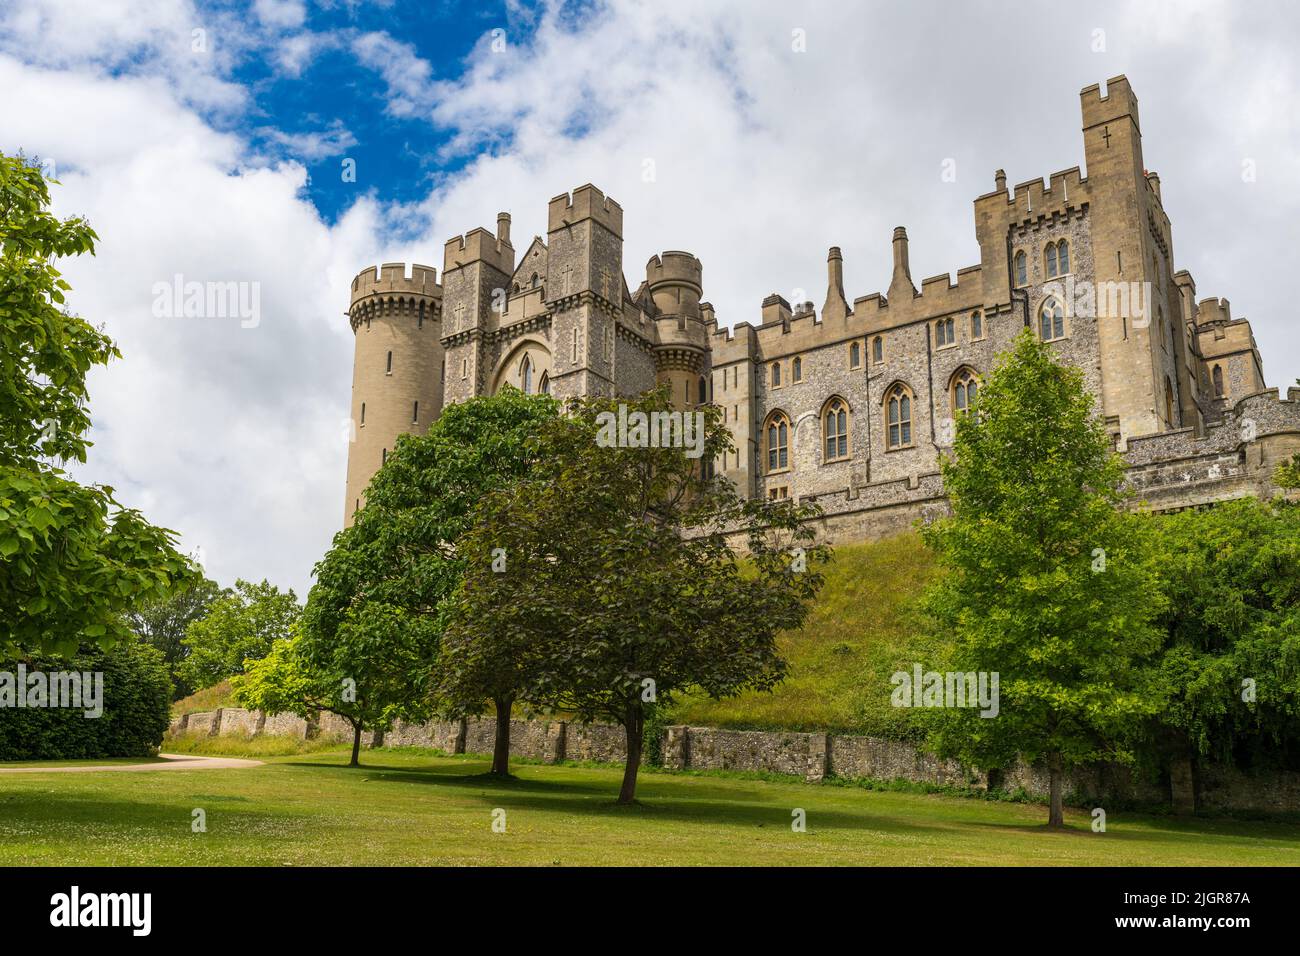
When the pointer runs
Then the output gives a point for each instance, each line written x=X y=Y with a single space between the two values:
x=1000 y=180
x=503 y=227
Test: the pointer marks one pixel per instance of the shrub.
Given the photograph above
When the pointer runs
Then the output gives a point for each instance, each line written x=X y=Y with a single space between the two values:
x=136 y=697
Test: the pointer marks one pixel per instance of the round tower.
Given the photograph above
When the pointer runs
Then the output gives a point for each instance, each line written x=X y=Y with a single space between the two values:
x=397 y=366
x=673 y=280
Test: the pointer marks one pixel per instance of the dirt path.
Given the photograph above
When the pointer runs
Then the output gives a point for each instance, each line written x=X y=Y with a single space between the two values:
x=169 y=762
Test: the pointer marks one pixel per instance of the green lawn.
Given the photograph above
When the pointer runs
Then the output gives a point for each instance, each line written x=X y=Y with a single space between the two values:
x=95 y=762
x=406 y=807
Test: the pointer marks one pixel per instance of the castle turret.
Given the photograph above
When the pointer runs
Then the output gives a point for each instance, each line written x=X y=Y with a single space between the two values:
x=673 y=280
x=476 y=270
x=396 y=373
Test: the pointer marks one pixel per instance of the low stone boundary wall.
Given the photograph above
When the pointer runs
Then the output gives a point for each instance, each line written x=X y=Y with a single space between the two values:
x=810 y=756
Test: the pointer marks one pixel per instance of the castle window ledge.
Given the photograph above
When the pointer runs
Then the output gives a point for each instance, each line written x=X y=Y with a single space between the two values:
x=837 y=461
x=901 y=448
x=944 y=348
x=780 y=471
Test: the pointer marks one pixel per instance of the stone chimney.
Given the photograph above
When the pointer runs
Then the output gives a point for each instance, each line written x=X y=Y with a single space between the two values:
x=1000 y=180
x=836 y=306
x=902 y=280
x=503 y=227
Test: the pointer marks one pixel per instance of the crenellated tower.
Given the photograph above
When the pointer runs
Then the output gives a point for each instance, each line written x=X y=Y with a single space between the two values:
x=673 y=280
x=396 y=372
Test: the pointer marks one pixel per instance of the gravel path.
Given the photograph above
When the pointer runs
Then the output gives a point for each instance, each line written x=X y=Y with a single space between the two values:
x=169 y=762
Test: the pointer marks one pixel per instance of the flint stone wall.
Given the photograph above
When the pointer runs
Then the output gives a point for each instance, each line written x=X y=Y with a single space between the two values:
x=811 y=756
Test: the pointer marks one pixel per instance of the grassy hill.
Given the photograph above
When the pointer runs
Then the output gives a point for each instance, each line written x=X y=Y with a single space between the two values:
x=859 y=632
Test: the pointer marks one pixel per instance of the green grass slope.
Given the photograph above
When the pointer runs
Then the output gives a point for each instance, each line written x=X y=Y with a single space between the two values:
x=858 y=633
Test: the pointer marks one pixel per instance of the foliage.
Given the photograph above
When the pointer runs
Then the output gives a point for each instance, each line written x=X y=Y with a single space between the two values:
x=1047 y=584
x=136 y=695
x=242 y=624
x=1228 y=678
x=72 y=559
x=618 y=586
x=164 y=624
x=398 y=563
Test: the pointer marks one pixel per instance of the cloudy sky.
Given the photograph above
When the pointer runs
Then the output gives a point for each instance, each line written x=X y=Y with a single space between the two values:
x=210 y=141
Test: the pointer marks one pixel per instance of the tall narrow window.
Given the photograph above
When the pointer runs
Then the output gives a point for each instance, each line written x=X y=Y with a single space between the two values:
x=704 y=390
x=776 y=374
x=383 y=457
x=1051 y=260
x=1063 y=256
x=964 y=388
x=778 y=442
x=796 y=370
x=575 y=345
x=898 y=407
x=1218 y=381
x=389 y=370
x=1022 y=269
x=544 y=386
x=835 y=430
x=855 y=355
x=419 y=322
x=1169 y=403
x=464 y=368
x=526 y=375
x=363 y=413
x=945 y=332
x=1051 y=321
x=415 y=413
x=878 y=349
x=976 y=325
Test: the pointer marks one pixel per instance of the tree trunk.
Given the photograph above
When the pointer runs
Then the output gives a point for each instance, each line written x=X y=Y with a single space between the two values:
x=356 y=745
x=634 y=725
x=501 y=748
x=1056 y=777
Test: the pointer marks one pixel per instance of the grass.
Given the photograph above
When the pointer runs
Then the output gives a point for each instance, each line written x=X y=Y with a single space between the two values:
x=858 y=633
x=263 y=745
x=209 y=698
x=410 y=807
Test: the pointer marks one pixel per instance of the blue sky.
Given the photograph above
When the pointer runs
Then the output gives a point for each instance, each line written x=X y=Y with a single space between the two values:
x=753 y=134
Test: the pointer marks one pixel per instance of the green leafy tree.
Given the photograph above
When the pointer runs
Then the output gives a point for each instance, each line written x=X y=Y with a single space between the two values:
x=242 y=624
x=1227 y=681
x=604 y=583
x=72 y=559
x=400 y=560
x=164 y=624
x=1047 y=584
x=367 y=672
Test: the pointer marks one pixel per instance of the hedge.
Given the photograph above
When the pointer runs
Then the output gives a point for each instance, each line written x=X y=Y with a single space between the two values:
x=136 y=708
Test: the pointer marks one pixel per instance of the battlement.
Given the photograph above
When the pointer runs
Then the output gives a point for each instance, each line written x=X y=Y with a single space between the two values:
x=674 y=267
x=586 y=202
x=479 y=245
x=391 y=277
x=1213 y=309
x=1117 y=102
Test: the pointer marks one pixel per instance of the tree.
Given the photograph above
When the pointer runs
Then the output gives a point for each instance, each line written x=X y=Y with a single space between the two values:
x=1046 y=583
x=1288 y=472
x=604 y=581
x=363 y=672
x=242 y=624
x=72 y=559
x=1226 y=679
x=163 y=624
x=400 y=559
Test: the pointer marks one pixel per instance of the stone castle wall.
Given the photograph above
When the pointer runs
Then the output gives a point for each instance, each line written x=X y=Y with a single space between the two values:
x=810 y=756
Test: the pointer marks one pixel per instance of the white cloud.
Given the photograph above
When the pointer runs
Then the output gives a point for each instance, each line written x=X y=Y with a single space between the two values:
x=763 y=158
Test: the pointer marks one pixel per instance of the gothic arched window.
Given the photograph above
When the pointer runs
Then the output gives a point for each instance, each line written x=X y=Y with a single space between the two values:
x=796 y=370
x=898 y=416
x=778 y=442
x=878 y=349
x=1051 y=321
x=526 y=375
x=965 y=386
x=835 y=430
x=1218 y=381
x=1022 y=269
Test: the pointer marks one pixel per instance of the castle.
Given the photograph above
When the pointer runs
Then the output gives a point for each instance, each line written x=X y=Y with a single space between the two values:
x=851 y=406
